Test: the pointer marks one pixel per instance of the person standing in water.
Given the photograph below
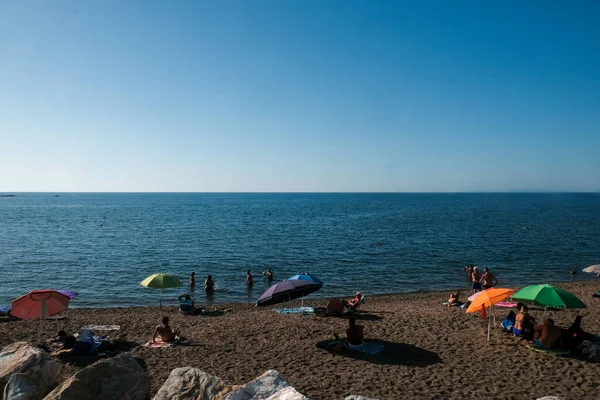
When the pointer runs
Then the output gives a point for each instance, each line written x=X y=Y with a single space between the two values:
x=249 y=278
x=192 y=280
x=268 y=274
x=209 y=284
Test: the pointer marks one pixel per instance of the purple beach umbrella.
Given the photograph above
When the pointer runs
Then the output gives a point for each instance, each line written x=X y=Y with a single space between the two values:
x=286 y=291
x=71 y=295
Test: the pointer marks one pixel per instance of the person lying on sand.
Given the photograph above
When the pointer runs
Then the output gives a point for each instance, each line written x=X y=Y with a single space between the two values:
x=353 y=302
x=165 y=332
x=547 y=336
x=354 y=334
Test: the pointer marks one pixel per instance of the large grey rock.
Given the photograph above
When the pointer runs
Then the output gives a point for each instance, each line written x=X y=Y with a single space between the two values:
x=26 y=372
x=270 y=385
x=358 y=397
x=120 y=377
x=191 y=384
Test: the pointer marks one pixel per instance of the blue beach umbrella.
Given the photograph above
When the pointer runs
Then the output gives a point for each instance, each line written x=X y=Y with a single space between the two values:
x=306 y=277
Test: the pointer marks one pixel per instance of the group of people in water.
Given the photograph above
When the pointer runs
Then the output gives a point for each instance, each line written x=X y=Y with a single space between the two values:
x=480 y=281
x=209 y=283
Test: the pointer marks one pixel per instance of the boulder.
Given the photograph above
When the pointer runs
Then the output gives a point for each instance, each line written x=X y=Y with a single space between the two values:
x=120 y=377
x=191 y=384
x=26 y=372
x=270 y=385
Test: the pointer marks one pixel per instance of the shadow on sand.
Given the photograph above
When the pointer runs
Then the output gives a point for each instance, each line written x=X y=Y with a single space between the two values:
x=392 y=354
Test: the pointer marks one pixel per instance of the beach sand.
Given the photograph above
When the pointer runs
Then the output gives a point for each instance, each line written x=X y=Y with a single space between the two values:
x=431 y=351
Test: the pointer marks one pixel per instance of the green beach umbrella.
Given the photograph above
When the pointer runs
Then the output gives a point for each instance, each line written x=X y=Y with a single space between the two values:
x=161 y=281
x=548 y=296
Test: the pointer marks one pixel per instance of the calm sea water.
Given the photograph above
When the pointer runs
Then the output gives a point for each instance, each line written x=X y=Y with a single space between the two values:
x=103 y=245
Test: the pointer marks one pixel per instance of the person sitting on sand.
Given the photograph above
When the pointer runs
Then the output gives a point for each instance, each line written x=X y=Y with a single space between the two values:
x=249 y=279
x=520 y=321
x=165 y=332
x=453 y=300
x=209 y=284
x=186 y=305
x=67 y=341
x=354 y=334
x=488 y=280
x=354 y=302
x=268 y=274
x=547 y=336
x=475 y=280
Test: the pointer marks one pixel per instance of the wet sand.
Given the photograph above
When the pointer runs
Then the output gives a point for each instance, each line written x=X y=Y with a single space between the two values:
x=431 y=351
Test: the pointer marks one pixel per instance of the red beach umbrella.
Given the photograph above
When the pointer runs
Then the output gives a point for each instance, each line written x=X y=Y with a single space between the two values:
x=39 y=304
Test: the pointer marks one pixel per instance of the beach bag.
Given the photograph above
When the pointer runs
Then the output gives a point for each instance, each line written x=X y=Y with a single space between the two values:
x=509 y=322
x=335 y=307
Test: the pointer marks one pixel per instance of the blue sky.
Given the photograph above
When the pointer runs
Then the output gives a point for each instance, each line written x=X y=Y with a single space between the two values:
x=299 y=96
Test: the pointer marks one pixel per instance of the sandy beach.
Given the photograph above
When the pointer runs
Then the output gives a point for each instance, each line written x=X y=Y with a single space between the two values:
x=431 y=351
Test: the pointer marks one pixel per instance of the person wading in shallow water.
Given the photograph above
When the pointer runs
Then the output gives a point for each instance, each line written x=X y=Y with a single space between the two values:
x=209 y=284
x=488 y=280
x=268 y=274
x=249 y=279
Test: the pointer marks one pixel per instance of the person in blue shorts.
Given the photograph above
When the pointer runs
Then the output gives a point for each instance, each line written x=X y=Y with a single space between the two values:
x=547 y=336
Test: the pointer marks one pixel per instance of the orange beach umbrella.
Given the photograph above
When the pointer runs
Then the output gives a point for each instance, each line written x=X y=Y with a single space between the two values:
x=489 y=297
x=39 y=304
x=486 y=299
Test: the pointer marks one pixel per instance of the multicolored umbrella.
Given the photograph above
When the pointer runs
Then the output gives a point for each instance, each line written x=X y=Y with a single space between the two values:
x=593 y=269
x=548 y=296
x=306 y=277
x=161 y=281
x=39 y=304
x=286 y=291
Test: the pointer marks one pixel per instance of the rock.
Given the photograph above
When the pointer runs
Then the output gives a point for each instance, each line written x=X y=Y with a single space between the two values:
x=270 y=385
x=357 y=397
x=26 y=372
x=193 y=384
x=120 y=377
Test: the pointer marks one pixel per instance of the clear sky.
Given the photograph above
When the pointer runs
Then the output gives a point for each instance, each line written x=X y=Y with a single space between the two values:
x=299 y=95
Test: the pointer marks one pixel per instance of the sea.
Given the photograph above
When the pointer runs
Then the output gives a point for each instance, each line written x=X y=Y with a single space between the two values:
x=102 y=245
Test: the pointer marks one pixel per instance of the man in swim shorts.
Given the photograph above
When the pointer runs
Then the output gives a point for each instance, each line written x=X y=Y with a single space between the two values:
x=488 y=280
x=547 y=336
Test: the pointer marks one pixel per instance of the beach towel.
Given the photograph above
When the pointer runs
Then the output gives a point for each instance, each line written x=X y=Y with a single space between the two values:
x=367 y=347
x=506 y=304
x=158 y=344
x=296 y=310
x=556 y=352
x=102 y=327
